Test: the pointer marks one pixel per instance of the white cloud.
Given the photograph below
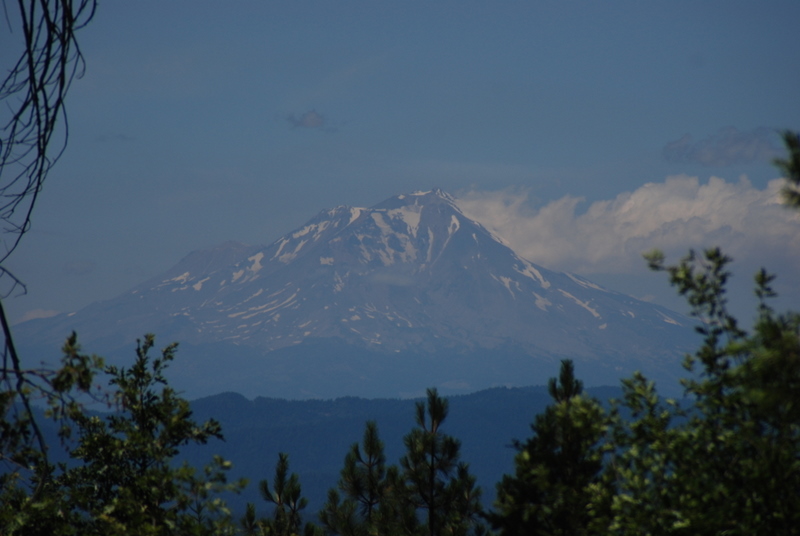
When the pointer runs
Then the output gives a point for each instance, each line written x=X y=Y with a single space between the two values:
x=749 y=224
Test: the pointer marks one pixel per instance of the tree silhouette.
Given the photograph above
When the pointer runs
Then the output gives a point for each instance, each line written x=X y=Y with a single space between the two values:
x=790 y=167
x=364 y=487
x=548 y=493
x=436 y=482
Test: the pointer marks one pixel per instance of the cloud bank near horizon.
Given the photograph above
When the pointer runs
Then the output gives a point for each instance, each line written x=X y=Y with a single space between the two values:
x=609 y=237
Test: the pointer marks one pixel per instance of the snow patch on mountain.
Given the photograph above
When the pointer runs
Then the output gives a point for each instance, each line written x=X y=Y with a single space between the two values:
x=180 y=279
x=286 y=258
x=506 y=282
x=542 y=303
x=339 y=282
x=584 y=283
x=265 y=308
x=669 y=320
x=377 y=217
x=530 y=271
x=199 y=284
x=429 y=254
x=454 y=226
x=316 y=228
x=584 y=304
x=256 y=266
x=409 y=215
x=355 y=213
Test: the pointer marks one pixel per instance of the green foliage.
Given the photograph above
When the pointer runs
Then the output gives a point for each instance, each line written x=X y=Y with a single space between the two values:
x=28 y=496
x=123 y=479
x=638 y=480
x=204 y=511
x=126 y=482
x=790 y=167
x=556 y=467
x=730 y=463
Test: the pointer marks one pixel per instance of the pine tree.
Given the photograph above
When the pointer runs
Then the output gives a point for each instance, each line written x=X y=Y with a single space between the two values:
x=549 y=492
x=286 y=495
x=790 y=167
x=436 y=482
x=431 y=492
x=363 y=484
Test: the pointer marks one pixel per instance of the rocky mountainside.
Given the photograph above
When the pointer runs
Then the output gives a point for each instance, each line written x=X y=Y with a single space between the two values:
x=360 y=300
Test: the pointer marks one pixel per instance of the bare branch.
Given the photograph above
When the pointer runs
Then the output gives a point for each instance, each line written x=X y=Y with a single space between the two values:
x=33 y=135
x=33 y=127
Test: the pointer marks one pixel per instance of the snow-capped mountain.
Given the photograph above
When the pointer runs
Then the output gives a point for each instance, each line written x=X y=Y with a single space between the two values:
x=411 y=280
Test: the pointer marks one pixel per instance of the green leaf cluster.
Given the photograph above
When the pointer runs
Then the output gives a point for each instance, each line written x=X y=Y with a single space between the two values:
x=122 y=478
x=729 y=462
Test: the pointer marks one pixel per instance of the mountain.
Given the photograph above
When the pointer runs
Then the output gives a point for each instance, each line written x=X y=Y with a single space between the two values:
x=381 y=301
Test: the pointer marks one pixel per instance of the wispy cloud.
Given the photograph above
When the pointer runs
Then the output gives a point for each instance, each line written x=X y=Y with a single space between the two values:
x=727 y=147
x=680 y=213
x=309 y=119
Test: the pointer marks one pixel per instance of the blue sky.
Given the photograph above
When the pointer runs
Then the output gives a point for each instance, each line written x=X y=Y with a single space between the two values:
x=583 y=132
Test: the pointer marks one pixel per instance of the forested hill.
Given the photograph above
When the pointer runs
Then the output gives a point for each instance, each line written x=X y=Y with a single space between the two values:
x=317 y=434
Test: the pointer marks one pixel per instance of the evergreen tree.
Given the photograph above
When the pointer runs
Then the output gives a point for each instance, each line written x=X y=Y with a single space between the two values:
x=436 y=482
x=549 y=492
x=286 y=495
x=790 y=167
x=251 y=526
x=363 y=483
x=431 y=492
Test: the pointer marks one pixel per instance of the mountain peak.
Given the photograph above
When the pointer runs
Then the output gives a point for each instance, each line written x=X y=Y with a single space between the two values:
x=436 y=193
x=419 y=198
